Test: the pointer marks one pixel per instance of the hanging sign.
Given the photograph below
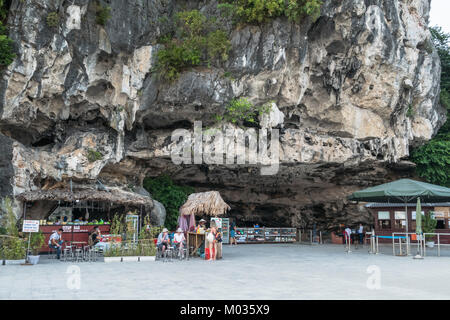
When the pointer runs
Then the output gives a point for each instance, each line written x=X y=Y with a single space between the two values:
x=30 y=226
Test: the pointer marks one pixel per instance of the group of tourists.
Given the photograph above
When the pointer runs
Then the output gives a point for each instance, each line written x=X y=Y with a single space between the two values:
x=348 y=234
x=163 y=242
x=214 y=238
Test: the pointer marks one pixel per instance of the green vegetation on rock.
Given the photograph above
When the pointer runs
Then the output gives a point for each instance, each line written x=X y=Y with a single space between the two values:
x=53 y=19
x=12 y=247
x=7 y=55
x=103 y=13
x=433 y=159
x=94 y=155
x=240 y=111
x=260 y=11
x=195 y=40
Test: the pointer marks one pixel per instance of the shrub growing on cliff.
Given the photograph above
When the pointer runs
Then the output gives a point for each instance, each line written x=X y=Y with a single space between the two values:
x=7 y=55
x=172 y=196
x=103 y=13
x=53 y=19
x=94 y=155
x=196 y=41
x=240 y=111
x=259 y=11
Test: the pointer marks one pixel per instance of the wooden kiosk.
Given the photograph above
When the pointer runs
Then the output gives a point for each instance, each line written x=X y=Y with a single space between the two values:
x=209 y=203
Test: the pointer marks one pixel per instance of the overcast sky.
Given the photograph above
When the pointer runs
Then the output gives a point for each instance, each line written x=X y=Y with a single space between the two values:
x=440 y=14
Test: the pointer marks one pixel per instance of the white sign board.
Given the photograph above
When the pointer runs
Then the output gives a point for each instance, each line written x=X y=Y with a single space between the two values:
x=30 y=226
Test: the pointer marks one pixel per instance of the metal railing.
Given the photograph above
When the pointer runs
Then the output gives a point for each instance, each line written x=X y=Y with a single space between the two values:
x=309 y=235
x=438 y=241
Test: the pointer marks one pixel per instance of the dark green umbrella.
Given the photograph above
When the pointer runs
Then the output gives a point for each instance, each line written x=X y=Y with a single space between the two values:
x=418 y=217
x=405 y=190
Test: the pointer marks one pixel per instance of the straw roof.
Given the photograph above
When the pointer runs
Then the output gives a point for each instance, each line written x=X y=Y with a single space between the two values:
x=114 y=195
x=210 y=203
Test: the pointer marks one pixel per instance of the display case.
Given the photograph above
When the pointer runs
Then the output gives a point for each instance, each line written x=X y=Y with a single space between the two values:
x=266 y=235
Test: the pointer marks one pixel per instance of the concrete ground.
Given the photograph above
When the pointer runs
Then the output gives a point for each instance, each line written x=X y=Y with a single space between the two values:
x=283 y=271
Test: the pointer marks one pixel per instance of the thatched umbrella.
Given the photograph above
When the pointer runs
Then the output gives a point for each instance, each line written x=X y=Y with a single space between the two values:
x=209 y=203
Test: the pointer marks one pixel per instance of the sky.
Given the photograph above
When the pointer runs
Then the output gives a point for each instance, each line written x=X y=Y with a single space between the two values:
x=440 y=10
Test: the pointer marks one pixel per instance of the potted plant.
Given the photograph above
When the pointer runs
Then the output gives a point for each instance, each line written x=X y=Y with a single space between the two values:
x=36 y=243
x=13 y=247
x=429 y=226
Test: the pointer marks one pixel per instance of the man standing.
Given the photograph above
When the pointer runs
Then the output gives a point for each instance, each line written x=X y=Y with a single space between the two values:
x=56 y=241
x=361 y=233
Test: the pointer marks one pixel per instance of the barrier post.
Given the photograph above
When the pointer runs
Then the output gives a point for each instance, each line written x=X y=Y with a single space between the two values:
x=393 y=244
x=378 y=247
x=439 y=245
x=424 y=246
x=320 y=235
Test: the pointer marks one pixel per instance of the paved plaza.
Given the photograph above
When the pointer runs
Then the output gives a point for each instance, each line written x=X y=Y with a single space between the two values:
x=283 y=271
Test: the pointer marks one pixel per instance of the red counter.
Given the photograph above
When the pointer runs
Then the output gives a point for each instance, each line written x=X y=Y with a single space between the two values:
x=78 y=233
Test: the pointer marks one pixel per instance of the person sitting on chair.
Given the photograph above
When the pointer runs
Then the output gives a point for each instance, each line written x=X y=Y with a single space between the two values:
x=179 y=239
x=95 y=236
x=56 y=241
x=163 y=240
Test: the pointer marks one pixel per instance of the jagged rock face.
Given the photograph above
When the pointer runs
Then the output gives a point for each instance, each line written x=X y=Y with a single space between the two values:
x=343 y=83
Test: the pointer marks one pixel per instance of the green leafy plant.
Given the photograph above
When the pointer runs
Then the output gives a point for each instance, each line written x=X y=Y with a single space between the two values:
x=240 y=111
x=195 y=41
x=433 y=161
x=7 y=54
x=36 y=242
x=117 y=227
x=410 y=113
x=428 y=224
x=260 y=11
x=12 y=246
x=172 y=196
x=94 y=155
x=433 y=158
x=53 y=19
x=103 y=13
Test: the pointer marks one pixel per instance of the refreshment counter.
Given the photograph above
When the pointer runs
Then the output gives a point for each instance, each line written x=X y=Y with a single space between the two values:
x=72 y=233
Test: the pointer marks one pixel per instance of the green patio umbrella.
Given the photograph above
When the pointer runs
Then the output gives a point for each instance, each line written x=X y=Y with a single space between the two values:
x=418 y=217
x=405 y=190
x=418 y=229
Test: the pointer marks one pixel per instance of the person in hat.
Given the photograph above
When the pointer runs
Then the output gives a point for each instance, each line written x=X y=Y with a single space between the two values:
x=179 y=239
x=201 y=228
x=163 y=240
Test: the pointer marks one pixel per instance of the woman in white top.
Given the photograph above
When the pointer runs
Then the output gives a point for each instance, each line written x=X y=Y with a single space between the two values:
x=179 y=238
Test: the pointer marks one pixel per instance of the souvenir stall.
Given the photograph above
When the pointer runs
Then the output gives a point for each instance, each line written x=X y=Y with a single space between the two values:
x=79 y=210
x=205 y=203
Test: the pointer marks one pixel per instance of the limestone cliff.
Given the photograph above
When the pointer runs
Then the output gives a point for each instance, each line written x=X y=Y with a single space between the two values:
x=345 y=83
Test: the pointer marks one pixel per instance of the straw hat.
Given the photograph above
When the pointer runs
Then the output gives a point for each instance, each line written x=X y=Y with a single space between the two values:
x=165 y=230
x=202 y=220
x=179 y=230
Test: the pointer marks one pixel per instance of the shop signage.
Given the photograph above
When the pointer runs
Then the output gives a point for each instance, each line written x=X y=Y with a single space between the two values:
x=30 y=226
